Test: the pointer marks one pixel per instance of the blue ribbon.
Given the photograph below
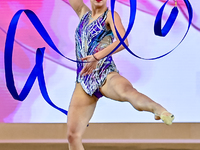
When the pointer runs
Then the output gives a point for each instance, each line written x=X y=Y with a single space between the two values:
x=158 y=29
x=168 y=25
x=37 y=71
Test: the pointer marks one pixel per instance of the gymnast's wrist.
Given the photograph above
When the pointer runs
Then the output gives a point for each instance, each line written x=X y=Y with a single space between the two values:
x=95 y=58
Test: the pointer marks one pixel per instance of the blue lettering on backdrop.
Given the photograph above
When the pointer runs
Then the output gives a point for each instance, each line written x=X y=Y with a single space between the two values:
x=37 y=71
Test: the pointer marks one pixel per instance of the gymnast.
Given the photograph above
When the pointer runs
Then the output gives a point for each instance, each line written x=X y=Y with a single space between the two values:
x=99 y=76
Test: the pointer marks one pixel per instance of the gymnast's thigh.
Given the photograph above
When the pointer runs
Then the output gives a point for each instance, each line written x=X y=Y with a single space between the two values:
x=81 y=110
x=116 y=87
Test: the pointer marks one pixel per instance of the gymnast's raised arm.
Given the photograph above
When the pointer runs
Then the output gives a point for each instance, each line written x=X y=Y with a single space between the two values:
x=79 y=7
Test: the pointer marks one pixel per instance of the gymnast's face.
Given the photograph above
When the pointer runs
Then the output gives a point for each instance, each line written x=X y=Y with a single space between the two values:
x=98 y=3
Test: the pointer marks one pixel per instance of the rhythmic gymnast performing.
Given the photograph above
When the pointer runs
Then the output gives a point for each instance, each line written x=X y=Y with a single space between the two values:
x=99 y=75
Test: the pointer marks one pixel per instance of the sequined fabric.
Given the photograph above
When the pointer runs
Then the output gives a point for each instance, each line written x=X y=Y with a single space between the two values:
x=91 y=38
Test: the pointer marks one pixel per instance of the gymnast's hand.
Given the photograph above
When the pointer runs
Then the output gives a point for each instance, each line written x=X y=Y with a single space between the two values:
x=89 y=66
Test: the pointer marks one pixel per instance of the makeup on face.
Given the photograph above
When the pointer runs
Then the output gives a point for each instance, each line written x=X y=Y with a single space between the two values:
x=98 y=1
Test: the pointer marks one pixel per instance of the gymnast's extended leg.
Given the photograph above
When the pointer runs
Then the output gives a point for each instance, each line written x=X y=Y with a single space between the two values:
x=119 y=88
x=80 y=111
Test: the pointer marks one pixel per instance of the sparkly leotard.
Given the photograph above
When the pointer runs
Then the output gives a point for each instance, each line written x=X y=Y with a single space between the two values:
x=91 y=38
